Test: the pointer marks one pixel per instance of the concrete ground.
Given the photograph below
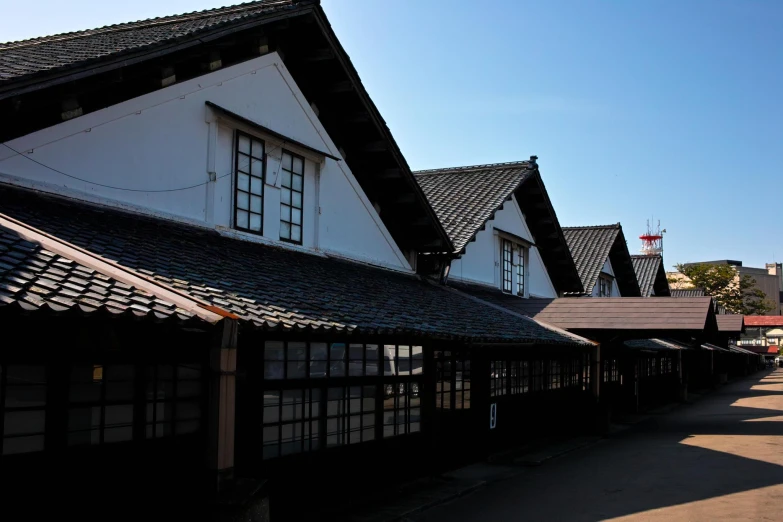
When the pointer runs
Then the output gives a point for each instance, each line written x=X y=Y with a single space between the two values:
x=718 y=459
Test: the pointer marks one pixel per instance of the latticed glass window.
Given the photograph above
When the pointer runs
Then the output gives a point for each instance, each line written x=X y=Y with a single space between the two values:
x=291 y=194
x=100 y=403
x=521 y=271
x=249 y=183
x=507 y=262
x=23 y=405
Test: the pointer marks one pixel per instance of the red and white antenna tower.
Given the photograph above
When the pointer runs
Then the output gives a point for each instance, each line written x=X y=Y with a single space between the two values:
x=652 y=241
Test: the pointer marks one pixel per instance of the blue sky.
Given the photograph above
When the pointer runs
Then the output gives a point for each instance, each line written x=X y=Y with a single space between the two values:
x=636 y=109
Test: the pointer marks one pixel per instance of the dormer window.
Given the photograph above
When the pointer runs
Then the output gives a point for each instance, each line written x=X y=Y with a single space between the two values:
x=291 y=195
x=249 y=183
x=507 y=262
x=604 y=286
x=512 y=267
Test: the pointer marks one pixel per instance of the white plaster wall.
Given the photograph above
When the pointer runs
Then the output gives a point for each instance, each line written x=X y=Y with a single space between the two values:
x=607 y=269
x=481 y=261
x=169 y=139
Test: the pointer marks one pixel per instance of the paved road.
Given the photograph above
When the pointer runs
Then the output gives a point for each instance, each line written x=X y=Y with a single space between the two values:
x=719 y=459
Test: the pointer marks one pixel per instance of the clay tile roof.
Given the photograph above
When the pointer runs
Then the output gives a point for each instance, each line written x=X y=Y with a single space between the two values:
x=592 y=246
x=33 y=278
x=267 y=287
x=583 y=314
x=763 y=320
x=651 y=275
x=465 y=198
x=687 y=292
x=27 y=57
x=729 y=322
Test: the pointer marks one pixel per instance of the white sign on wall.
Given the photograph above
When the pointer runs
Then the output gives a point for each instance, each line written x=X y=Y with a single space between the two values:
x=493 y=415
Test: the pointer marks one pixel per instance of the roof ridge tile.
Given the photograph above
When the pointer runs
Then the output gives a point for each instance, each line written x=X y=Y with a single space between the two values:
x=470 y=168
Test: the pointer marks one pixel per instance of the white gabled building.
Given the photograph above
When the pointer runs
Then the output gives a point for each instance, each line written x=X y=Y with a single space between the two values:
x=602 y=258
x=504 y=229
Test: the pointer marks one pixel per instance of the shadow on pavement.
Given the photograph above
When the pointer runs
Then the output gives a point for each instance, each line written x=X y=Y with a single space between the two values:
x=730 y=442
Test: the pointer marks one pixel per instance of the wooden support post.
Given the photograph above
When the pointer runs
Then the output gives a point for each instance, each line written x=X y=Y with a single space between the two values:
x=595 y=371
x=223 y=366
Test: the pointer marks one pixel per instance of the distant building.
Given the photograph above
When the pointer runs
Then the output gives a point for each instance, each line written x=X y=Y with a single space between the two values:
x=762 y=334
x=769 y=280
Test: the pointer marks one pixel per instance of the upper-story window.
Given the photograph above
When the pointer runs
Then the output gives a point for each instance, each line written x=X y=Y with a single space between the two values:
x=291 y=193
x=249 y=183
x=512 y=267
x=520 y=262
x=604 y=286
x=507 y=261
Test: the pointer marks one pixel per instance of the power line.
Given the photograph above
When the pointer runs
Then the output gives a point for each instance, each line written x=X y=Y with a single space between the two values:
x=111 y=186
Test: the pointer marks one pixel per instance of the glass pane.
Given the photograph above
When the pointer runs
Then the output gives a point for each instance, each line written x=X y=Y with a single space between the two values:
x=24 y=374
x=389 y=354
x=315 y=403
x=298 y=165
x=285 y=213
x=84 y=418
x=258 y=148
x=286 y=179
x=292 y=405
x=296 y=216
x=23 y=422
x=287 y=159
x=84 y=437
x=244 y=144
x=255 y=204
x=285 y=196
x=372 y=359
x=243 y=163
x=285 y=230
x=355 y=399
x=255 y=223
x=256 y=167
x=255 y=185
x=417 y=362
x=317 y=360
x=118 y=434
x=297 y=182
x=296 y=199
x=271 y=407
x=296 y=233
x=242 y=221
x=243 y=182
x=335 y=404
x=337 y=360
x=368 y=403
x=26 y=396
x=117 y=390
x=243 y=200
x=403 y=360
x=189 y=426
x=23 y=444
x=368 y=434
x=116 y=415
x=188 y=410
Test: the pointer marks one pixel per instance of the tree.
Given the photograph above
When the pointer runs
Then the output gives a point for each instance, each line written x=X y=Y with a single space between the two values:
x=738 y=294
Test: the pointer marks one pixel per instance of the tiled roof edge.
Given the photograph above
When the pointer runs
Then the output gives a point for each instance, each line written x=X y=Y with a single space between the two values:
x=138 y=24
x=201 y=309
x=470 y=168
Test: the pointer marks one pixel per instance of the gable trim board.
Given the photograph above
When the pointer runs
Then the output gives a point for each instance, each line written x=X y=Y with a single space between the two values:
x=37 y=70
x=591 y=246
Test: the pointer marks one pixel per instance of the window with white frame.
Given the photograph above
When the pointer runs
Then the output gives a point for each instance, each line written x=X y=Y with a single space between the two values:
x=512 y=267
x=249 y=183
x=291 y=195
x=604 y=286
